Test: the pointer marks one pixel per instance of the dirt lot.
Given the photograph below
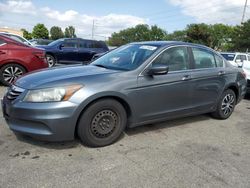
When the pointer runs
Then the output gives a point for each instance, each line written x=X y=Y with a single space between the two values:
x=190 y=152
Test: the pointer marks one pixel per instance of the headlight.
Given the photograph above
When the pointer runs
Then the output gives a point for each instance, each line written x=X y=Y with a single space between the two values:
x=52 y=94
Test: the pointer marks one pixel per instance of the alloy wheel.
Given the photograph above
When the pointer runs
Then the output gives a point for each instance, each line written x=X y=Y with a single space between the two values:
x=227 y=104
x=50 y=60
x=11 y=73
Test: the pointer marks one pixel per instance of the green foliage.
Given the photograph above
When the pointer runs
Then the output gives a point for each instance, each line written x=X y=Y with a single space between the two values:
x=70 y=32
x=40 y=32
x=26 y=34
x=56 y=33
x=199 y=33
x=241 y=39
x=140 y=32
x=177 y=36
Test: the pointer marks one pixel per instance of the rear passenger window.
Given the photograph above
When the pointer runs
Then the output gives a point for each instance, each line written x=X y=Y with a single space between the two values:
x=248 y=57
x=219 y=61
x=203 y=58
x=175 y=58
x=83 y=44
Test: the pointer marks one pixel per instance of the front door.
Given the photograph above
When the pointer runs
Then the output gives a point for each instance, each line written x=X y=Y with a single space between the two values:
x=166 y=96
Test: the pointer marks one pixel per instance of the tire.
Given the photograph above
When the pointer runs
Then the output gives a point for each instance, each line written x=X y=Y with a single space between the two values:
x=102 y=123
x=50 y=60
x=10 y=72
x=225 y=105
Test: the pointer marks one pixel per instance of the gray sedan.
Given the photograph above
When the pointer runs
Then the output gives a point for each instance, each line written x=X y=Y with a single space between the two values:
x=135 y=84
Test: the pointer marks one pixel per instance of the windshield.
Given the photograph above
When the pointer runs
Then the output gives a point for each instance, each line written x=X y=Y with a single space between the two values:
x=55 y=42
x=229 y=57
x=127 y=57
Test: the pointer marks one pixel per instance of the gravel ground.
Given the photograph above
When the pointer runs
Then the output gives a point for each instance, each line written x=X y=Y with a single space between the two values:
x=189 y=152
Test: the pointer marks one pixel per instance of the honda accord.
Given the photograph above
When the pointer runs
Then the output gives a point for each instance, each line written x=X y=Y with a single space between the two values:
x=136 y=84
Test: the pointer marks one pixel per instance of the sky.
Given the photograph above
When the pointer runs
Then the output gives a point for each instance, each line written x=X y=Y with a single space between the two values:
x=111 y=16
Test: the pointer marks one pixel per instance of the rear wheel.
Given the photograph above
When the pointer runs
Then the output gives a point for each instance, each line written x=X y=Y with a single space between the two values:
x=51 y=60
x=226 y=105
x=102 y=123
x=10 y=72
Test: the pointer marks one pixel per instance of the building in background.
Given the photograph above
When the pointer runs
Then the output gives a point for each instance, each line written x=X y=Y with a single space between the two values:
x=10 y=30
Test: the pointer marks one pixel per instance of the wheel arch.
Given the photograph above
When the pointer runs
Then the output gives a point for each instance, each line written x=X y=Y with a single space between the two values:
x=121 y=99
x=14 y=62
x=235 y=89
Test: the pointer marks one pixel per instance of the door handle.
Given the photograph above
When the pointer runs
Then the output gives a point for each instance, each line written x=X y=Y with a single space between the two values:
x=1 y=52
x=186 y=77
x=221 y=73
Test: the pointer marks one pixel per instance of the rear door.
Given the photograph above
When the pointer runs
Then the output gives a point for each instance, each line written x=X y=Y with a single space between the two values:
x=86 y=51
x=208 y=78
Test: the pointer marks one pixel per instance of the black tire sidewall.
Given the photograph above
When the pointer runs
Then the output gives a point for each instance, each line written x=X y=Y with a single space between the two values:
x=6 y=66
x=84 y=129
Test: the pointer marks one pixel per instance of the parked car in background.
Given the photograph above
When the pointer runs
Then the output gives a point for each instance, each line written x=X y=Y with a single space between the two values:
x=17 y=58
x=136 y=84
x=17 y=38
x=73 y=50
x=37 y=42
x=236 y=59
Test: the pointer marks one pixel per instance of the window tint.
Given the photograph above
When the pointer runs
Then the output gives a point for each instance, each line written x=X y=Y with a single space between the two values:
x=176 y=58
x=219 y=61
x=248 y=57
x=83 y=44
x=203 y=58
x=238 y=58
x=96 y=44
x=243 y=57
x=70 y=43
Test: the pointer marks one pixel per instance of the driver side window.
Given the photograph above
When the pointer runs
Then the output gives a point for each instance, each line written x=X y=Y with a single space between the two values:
x=175 y=58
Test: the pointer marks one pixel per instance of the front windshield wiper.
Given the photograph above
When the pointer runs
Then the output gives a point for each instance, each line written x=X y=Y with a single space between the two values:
x=99 y=65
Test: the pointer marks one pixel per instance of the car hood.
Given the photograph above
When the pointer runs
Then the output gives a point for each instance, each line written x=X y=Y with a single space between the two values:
x=60 y=76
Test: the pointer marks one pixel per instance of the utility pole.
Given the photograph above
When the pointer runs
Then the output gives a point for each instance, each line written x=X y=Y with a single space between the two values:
x=93 y=29
x=244 y=12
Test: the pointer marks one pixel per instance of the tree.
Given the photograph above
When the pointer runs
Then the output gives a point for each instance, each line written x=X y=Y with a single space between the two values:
x=56 y=33
x=221 y=36
x=241 y=37
x=40 y=31
x=141 y=32
x=70 y=32
x=199 y=33
x=26 y=34
x=180 y=35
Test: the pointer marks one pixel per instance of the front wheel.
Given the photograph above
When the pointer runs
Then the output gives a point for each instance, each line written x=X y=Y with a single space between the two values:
x=51 y=60
x=10 y=72
x=102 y=123
x=226 y=105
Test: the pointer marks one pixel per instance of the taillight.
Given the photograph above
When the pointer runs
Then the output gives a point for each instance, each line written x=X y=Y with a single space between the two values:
x=40 y=55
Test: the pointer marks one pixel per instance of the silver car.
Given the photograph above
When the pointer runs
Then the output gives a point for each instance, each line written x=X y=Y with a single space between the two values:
x=136 y=84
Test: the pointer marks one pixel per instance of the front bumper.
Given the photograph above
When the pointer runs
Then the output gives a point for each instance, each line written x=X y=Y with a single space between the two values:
x=53 y=121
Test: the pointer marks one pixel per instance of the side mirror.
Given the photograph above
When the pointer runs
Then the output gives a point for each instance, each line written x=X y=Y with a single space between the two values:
x=157 y=69
x=61 y=46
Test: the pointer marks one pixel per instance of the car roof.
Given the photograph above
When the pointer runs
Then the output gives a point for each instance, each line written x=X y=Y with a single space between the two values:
x=169 y=43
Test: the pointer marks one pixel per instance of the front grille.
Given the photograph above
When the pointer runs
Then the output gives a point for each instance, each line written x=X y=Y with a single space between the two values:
x=14 y=92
